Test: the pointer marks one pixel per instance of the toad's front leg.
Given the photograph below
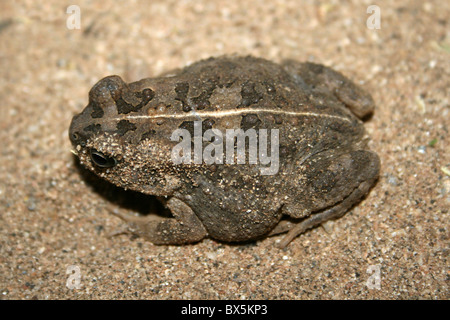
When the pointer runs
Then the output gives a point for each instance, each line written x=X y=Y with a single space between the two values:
x=184 y=227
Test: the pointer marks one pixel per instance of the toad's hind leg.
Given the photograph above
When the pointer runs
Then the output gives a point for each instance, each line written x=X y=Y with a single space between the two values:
x=317 y=77
x=335 y=185
x=184 y=227
x=318 y=218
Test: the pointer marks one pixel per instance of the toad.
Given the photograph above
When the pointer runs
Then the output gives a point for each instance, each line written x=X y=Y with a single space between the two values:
x=231 y=145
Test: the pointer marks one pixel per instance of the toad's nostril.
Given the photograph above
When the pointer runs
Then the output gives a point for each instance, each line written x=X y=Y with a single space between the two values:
x=74 y=137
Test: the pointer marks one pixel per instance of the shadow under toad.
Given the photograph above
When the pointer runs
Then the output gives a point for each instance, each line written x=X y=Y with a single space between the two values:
x=133 y=201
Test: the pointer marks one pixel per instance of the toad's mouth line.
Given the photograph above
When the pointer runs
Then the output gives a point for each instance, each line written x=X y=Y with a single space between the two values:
x=228 y=113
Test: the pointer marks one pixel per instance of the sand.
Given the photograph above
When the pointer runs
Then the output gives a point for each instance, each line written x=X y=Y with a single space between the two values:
x=55 y=217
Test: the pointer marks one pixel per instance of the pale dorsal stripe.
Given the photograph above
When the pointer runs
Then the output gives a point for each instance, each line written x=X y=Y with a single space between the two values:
x=227 y=113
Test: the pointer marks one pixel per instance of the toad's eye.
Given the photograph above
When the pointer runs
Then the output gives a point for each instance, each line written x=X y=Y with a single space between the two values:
x=101 y=160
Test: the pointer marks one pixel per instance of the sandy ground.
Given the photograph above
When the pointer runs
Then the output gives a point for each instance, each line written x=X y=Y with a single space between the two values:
x=54 y=217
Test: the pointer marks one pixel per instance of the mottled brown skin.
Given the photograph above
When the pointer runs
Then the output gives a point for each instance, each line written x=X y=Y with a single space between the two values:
x=123 y=135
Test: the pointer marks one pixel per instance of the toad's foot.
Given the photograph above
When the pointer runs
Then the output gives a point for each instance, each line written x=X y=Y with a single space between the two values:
x=184 y=227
